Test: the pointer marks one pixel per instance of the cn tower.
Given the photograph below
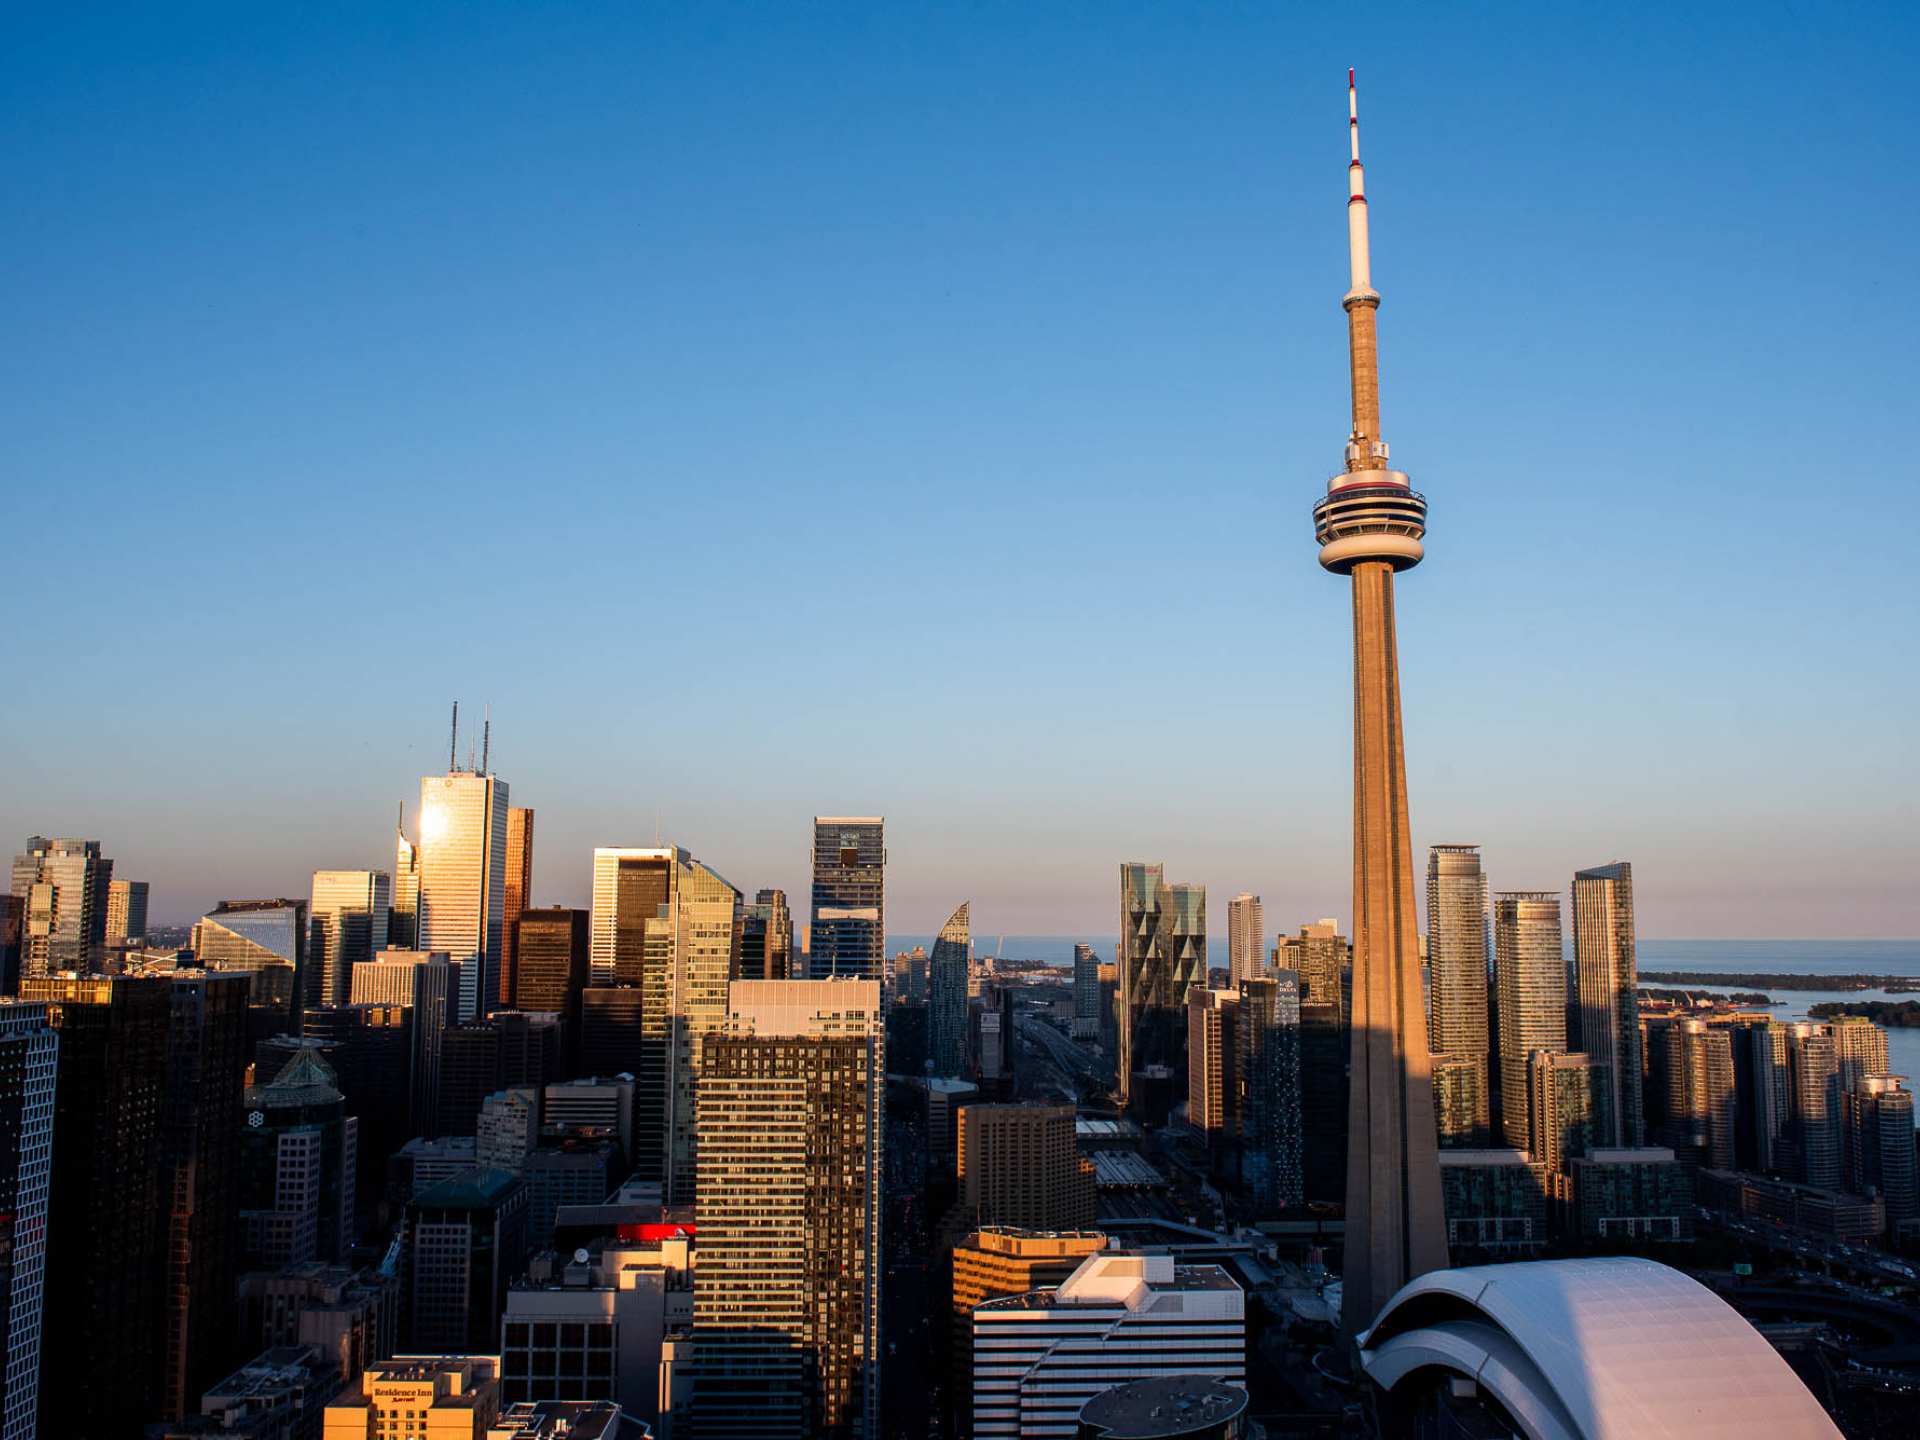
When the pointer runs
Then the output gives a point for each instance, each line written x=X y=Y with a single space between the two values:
x=1369 y=525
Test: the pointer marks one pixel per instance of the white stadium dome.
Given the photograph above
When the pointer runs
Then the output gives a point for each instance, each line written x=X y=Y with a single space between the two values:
x=1615 y=1349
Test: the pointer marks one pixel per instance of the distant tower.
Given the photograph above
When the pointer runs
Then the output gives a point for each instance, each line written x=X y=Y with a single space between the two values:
x=518 y=894
x=1609 y=1000
x=848 y=934
x=947 y=988
x=1369 y=525
x=463 y=879
x=1531 y=977
x=1246 y=926
x=1457 y=960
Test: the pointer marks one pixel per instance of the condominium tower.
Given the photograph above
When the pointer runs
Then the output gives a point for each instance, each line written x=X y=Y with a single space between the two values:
x=1369 y=526
x=848 y=935
x=947 y=995
x=1457 y=962
x=126 y=912
x=1087 y=1006
x=1531 y=977
x=1246 y=930
x=787 y=1291
x=1608 y=979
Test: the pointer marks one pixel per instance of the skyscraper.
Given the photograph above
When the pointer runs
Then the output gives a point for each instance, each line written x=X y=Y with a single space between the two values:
x=1532 y=980
x=947 y=986
x=1087 y=1007
x=1877 y=1146
x=1699 y=1091
x=766 y=938
x=1269 y=1118
x=550 y=965
x=1369 y=525
x=1322 y=957
x=268 y=940
x=200 y=1144
x=1246 y=938
x=1212 y=1069
x=13 y=911
x=1859 y=1049
x=787 y=1290
x=426 y=985
x=632 y=886
x=466 y=1238
x=101 y=1335
x=27 y=1070
x=669 y=924
x=518 y=894
x=126 y=912
x=1457 y=961
x=848 y=934
x=1560 y=1107
x=403 y=922
x=64 y=885
x=348 y=916
x=1163 y=955
x=1608 y=977
x=463 y=879
x=298 y=1150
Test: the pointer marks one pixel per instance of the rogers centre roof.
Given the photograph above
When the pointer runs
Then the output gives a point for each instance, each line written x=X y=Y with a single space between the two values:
x=1595 y=1350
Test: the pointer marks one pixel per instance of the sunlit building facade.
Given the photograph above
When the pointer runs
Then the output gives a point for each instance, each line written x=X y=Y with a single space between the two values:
x=518 y=894
x=1608 y=977
x=126 y=912
x=64 y=887
x=1246 y=937
x=403 y=920
x=1457 y=964
x=349 y=912
x=463 y=879
x=1531 y=977
x=787 y=1291
x=848 y=934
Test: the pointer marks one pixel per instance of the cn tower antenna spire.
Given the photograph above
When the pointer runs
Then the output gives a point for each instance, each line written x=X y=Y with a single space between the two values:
x=1366 y=450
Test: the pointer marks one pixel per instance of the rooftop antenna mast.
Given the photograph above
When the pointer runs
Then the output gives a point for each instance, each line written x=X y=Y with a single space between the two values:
x=453 y=741
x=486 y=738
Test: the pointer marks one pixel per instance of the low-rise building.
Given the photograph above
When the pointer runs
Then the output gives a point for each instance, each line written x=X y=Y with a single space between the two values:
x=592 y=1325
x=1809 y=1209
x=1039 y=1357
x=1495 y=1201
x=419 y=1397
x=281 y=1394
x=1632 y=1194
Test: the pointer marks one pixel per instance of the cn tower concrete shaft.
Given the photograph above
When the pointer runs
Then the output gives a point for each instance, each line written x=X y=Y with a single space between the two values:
x=1370 y=524
x=1394 y=1224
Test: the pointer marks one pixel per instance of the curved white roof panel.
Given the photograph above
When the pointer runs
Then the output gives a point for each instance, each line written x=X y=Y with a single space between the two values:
x=1596 y=1350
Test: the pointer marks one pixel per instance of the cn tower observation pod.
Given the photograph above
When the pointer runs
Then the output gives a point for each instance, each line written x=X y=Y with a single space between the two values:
x=1605 y=1349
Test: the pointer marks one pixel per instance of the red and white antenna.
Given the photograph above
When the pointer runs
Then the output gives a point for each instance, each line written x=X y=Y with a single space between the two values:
x=1359 y=260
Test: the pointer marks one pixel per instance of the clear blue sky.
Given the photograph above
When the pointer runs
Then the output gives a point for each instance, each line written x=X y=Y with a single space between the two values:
x=917 y=409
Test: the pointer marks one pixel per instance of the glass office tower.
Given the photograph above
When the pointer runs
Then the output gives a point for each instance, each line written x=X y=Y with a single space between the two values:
x=848 y=936
x=463 y=879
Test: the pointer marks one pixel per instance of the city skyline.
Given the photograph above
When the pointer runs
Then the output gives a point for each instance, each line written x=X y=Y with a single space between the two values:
x=953 y=307
x=436 y=1135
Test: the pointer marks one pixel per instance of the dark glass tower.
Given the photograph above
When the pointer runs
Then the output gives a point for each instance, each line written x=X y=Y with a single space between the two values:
x=102 y=1328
